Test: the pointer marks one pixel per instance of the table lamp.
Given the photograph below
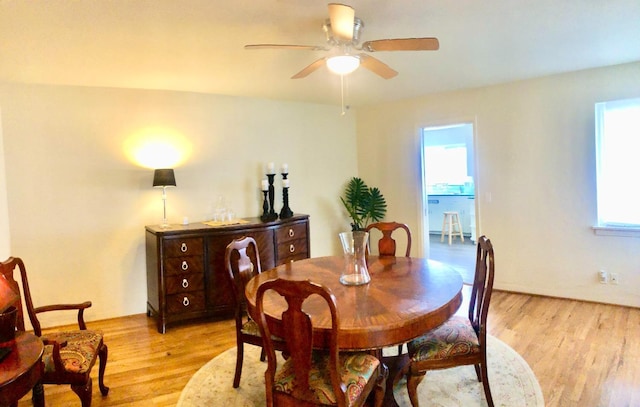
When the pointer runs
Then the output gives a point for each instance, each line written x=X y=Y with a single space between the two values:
x=164 y=178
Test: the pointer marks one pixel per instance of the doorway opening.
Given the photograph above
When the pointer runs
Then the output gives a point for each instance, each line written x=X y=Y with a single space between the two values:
x=448 y=185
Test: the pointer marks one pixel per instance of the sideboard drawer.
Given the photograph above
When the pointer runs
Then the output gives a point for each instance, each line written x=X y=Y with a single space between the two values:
x=185 y=302
x=292 y=250
x=288 y=233
x=186 y=264
x=186 y=283
x=191 y=246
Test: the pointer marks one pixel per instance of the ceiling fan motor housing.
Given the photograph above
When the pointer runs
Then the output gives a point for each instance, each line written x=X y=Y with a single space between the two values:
x=358 y=25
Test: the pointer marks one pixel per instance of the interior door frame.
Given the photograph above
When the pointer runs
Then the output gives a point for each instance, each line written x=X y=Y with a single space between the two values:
x=423 y=197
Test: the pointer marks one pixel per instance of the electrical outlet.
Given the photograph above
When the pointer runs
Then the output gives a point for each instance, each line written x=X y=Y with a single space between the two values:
x=603 y=277
x=614 y=278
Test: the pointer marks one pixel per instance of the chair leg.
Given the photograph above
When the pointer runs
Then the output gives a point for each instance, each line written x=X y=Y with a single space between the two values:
x=239 y=357
x=102 y=354
x=381 y=386
x=485 y=383
x=478 y=373
x=263 y=355
x=412 y=387
x=84 y=392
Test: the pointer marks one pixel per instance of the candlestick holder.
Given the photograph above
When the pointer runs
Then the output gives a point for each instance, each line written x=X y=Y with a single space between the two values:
x=271 y=215
x=286 y=212
x=265 y=208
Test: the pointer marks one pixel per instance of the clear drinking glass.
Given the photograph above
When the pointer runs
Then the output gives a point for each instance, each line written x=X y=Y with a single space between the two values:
x=355 y=270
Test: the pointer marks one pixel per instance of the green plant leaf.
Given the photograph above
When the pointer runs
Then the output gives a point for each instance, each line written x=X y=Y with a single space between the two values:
x=364 y=204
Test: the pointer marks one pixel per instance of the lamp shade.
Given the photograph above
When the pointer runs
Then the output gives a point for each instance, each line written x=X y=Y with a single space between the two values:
x=164 y=178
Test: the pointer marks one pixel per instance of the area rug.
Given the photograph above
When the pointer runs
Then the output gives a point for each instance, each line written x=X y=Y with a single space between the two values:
x=513 y=384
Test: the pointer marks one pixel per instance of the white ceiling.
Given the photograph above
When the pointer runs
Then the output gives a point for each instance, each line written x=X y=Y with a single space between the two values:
x=197 y=45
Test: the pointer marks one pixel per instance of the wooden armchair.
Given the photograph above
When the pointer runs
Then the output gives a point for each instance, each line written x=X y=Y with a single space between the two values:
x=68 y=356
x=386 y=244
x=314 y=377
x=460 y=340
x=242 y=260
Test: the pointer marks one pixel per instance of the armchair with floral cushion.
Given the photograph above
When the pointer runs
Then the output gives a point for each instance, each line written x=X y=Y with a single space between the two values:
x=68 y=355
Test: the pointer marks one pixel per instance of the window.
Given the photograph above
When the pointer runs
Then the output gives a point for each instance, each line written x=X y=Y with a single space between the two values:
x=618 y=164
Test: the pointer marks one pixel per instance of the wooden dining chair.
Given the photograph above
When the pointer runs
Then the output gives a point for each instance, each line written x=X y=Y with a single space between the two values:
x=310 y=376
x=68 y=355
x=242 y=260
x=460 y=340
x=386 y=244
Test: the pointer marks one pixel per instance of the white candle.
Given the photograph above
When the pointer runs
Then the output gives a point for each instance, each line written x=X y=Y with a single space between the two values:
x=265 y=185
x=285 y=168
x=271 y=168
x=285 y=183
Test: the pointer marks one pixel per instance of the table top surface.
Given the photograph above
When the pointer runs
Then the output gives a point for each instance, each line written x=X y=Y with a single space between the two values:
x=26 y=351
x=406 y=297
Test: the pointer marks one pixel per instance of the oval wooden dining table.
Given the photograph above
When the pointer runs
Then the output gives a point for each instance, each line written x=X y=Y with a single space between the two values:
x=405 y=298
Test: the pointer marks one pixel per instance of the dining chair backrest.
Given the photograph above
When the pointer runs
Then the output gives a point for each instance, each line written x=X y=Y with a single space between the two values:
x=460 y=340
x=242 y=260
x=386 y=244
x=297 y=328
x=482 y=287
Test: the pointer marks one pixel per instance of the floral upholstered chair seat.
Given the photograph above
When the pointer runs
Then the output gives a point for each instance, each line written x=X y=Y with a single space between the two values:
x=251 y=328
x=356 y=369
x=456 y=337
x=78 y=351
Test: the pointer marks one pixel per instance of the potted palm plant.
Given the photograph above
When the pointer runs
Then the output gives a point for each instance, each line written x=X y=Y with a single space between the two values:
x=364 y=204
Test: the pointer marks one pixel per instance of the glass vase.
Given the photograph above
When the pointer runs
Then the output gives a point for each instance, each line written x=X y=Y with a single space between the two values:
x=354 y=246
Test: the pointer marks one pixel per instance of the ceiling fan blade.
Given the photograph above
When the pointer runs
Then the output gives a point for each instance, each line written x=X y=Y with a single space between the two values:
x=285 y=46
x=402 y=44
x=376 y=66
x=309 y=69
x=342 y=18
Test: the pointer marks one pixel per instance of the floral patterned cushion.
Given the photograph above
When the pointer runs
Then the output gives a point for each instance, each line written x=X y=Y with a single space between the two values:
x=356 y=369
x=78 y=355
x=250 y=327
x=456 y=337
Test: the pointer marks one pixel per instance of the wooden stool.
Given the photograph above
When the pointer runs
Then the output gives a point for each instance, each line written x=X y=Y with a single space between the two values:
x=451 y=224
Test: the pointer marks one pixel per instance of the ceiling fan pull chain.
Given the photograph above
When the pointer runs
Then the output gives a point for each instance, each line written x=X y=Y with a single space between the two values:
x=342 y=94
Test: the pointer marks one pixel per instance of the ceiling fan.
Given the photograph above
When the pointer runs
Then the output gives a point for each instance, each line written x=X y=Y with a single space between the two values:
x=342 y=30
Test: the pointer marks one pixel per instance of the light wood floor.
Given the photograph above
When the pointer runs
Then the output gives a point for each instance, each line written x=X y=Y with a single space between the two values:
x=584 y=354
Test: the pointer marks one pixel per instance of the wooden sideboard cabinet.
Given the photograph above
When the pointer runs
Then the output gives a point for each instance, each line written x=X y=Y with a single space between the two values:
x=186 y=274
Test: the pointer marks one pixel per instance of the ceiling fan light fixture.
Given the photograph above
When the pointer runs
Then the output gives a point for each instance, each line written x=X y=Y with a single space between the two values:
x=343 y=64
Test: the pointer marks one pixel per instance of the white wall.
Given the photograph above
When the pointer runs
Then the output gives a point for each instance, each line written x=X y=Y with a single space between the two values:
x=535 y=158
x=77 y=205
x=5 y=246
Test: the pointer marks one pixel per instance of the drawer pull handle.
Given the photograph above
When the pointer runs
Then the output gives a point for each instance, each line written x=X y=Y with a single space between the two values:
x=291 y=233
x=185 y=283
x=185 y=301
x=184 y=248
x=292 y=248
x=185 y=265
